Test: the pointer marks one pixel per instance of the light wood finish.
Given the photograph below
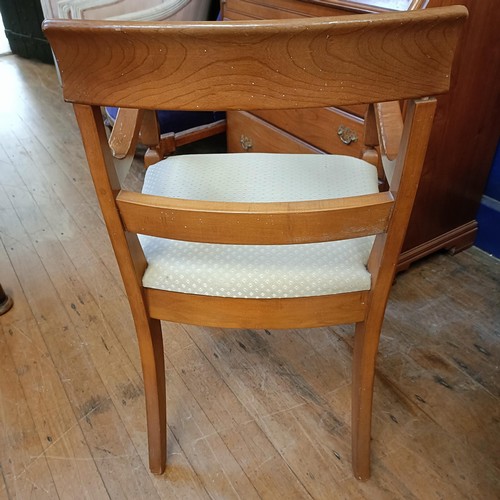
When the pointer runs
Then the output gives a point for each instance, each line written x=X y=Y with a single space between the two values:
x=255 y=223
x=125 y=132
x=132 y=265
x=416 y=133
x=390 y=122
x=266 y=65
x=191 y=67
x=298 y=312
x=253 y=414
x=123 y=139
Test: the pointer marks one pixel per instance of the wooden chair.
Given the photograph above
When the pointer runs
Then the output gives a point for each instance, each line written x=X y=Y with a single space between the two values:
x=122 y=139
x=260 y=240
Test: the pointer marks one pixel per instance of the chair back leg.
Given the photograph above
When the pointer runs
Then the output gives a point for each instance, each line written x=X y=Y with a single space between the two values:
x=153 y=367
x=366 y=340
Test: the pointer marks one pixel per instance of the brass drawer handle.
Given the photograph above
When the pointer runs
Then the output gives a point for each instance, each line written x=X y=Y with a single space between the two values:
x=347 y=135
x=246 y=142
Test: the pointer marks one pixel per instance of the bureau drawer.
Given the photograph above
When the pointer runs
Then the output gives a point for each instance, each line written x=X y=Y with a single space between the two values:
x=329 y=129
x=247 y=133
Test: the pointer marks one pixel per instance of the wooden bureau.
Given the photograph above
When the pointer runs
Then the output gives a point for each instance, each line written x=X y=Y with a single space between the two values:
x=464 y=136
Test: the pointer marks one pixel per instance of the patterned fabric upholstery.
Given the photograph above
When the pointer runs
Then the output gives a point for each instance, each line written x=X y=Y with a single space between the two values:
x=264 y=271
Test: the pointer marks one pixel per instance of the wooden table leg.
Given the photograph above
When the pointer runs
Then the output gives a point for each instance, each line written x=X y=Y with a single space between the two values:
x=5 y=301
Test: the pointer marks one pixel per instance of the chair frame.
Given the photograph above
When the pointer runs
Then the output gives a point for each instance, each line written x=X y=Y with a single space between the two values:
x=414 y=57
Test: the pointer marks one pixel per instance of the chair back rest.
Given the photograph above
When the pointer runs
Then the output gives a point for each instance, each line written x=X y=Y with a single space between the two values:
x=278 y=64
x=259 y=65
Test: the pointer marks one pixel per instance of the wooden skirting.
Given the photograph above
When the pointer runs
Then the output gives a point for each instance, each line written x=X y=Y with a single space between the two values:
x=455 y=241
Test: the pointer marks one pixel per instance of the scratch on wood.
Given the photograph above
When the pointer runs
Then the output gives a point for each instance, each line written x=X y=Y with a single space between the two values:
x=482 y=350
x=36 y=486
x=442 y=381
x=420 y=398
x=73 y=306
x=268 y=459
x=202 y=438
x=94 y=405
x=461 y=364
x=274 y=413
x=105 y=345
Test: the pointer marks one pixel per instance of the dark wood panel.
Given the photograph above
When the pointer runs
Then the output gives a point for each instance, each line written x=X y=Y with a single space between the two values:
x=465 y=132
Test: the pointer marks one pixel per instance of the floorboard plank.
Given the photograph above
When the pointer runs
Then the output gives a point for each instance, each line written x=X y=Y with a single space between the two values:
x=239 y=431
x=251 y=414
x=109 y=444
x=24 y=470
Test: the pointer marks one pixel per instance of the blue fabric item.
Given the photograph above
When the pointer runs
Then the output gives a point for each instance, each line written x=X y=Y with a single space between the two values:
x=488 y=215
x=488 y=219
x=493 y=186
x=177 y=121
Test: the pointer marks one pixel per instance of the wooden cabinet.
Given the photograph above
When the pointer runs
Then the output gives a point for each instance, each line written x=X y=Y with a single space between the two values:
x=464 y=136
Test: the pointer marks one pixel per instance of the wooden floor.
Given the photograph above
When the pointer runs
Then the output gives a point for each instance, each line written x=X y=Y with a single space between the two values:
x=252 y=414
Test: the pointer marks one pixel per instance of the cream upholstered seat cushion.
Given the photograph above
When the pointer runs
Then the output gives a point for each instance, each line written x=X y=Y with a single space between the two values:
x=263 y=271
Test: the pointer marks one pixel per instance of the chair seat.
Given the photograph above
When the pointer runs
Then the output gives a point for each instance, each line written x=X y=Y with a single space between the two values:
x=258 y=271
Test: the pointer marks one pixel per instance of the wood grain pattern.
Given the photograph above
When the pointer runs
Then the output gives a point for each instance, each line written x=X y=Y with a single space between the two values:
x=125 y=132
x=390 y=122
x=210 y=66
x=229 y=312
x=255 y=223
x=132 y=264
